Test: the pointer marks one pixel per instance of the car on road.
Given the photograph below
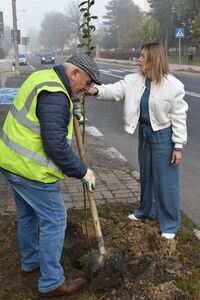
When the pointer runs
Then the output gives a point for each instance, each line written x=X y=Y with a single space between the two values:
x=22 y=60
x=47 y=58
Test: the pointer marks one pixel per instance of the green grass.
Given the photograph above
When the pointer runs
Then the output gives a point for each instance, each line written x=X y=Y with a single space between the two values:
x=191 y=284
x=189 y=246
x=184 y=60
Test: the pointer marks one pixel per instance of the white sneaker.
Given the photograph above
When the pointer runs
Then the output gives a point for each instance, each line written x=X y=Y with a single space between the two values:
x=168 y=236
x=133 y=217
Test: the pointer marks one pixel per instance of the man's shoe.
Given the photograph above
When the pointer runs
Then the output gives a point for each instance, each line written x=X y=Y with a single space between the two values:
x=168 y=236
x=67 y=288
x=133 y=217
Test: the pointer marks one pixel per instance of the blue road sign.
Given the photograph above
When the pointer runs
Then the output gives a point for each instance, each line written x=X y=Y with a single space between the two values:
x=180 y=33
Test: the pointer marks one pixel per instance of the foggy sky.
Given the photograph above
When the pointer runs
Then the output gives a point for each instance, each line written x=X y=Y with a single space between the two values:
x=35 y=10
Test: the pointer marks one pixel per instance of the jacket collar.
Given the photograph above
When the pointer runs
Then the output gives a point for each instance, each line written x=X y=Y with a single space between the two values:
x=59 y=69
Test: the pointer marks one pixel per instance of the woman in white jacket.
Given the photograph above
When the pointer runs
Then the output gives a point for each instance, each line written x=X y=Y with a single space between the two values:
x=154 y=98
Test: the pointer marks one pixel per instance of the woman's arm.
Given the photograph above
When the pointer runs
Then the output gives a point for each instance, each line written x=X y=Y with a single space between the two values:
x=178 y=117
x=115 y=91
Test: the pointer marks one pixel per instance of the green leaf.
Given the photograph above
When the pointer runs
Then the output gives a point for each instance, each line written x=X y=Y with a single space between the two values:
x=81 y=45
x=82 y=25
x=93 y=17
x=82 y=3
x=91 y=3
x=85 y=30
x=86 y=15
x=92 y=27
x=83 y=9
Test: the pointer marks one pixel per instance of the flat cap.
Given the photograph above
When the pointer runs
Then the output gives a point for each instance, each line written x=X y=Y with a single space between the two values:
x=87 y=64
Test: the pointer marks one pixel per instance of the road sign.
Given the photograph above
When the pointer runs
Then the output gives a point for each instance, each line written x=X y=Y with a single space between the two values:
x=180 y=33
x=18 y=36
x=25 y=40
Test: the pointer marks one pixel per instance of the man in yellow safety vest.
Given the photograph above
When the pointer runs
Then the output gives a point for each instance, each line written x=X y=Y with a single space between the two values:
x=35 y=152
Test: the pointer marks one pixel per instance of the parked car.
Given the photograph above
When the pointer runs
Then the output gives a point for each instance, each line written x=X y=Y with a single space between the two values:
x=47 y=58
x=22 y=60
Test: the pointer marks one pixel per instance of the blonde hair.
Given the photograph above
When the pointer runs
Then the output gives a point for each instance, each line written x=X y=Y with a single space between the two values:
x=157 y=61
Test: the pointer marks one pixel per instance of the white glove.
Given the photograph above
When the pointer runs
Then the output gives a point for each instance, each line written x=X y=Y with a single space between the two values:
x=89 y=180
x=78 y=113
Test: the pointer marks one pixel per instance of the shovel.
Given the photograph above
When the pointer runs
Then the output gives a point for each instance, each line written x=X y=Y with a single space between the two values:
x=104 y=267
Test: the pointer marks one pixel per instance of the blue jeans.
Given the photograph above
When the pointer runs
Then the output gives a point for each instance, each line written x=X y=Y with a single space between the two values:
x=159 y=178
x=41 y=228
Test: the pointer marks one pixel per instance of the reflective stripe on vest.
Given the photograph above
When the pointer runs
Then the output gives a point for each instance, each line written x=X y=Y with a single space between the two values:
x=21 y=115
x=28 y=153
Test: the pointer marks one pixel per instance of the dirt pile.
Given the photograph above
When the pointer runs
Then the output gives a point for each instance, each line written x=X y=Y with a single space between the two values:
x=153 y=268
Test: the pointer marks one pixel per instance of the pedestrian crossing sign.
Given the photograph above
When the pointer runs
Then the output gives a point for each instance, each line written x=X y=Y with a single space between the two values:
x=180 y=33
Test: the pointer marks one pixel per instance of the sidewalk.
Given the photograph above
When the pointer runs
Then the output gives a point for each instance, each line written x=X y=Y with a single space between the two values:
x=117 y=182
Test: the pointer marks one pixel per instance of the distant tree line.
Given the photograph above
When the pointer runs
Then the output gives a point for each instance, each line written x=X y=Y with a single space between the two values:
x=173 y=14
x=124 y=26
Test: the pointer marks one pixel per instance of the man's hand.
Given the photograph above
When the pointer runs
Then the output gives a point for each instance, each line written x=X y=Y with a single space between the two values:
x=89 y=180
x=176 y=157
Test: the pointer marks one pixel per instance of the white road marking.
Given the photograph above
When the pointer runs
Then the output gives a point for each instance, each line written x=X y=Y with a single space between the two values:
x=93 y=131
x=109 y=74
x=197 y=233
x=130 y=70
x=124 y=70
x=192 y=94
x=32 y=67
x=111 y=152
x=117 y=71
x=104 y=71
x=114 y=153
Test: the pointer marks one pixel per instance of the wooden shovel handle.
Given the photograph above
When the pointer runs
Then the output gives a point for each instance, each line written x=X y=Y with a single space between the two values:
x=95 y=217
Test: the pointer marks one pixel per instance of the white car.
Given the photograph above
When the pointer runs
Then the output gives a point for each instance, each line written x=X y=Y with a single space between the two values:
x=22 y=60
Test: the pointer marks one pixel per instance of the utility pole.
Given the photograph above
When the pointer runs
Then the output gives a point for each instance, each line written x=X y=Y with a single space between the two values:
x=1 y=34
x=16 y=49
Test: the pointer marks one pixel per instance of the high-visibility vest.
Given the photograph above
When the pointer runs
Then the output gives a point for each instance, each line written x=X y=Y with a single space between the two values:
x=21 y=147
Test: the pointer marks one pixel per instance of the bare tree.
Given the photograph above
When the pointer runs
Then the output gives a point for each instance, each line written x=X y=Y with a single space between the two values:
x=54 y=30
x=75 y=19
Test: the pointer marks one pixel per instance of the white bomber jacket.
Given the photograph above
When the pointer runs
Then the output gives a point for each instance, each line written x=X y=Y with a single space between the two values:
x=166 y=104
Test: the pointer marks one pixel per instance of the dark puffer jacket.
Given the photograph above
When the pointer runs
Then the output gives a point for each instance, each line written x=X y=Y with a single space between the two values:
x=54 y=115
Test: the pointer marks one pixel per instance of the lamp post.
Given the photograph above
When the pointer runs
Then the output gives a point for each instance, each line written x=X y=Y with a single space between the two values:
x=16 y=49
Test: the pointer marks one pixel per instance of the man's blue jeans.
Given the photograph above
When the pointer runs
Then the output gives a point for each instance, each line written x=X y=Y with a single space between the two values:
x=159 y=178
x=41 y=228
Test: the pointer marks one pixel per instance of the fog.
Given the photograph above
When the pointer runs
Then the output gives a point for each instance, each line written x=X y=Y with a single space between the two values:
x=31 y=12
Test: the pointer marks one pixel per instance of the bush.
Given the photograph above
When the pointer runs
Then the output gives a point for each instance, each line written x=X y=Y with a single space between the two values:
x=127 y=55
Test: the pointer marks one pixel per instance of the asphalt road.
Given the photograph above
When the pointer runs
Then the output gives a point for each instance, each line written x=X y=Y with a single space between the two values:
x=107 y=117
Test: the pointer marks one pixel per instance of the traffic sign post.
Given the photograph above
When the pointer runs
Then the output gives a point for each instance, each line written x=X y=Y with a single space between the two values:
x=179 y=34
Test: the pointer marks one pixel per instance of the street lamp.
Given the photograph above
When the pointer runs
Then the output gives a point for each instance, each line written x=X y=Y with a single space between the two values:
x=16 y=48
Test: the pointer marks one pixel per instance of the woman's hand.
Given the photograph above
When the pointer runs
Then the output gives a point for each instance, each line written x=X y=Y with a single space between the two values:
x=93 y=91
x=176 y=157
